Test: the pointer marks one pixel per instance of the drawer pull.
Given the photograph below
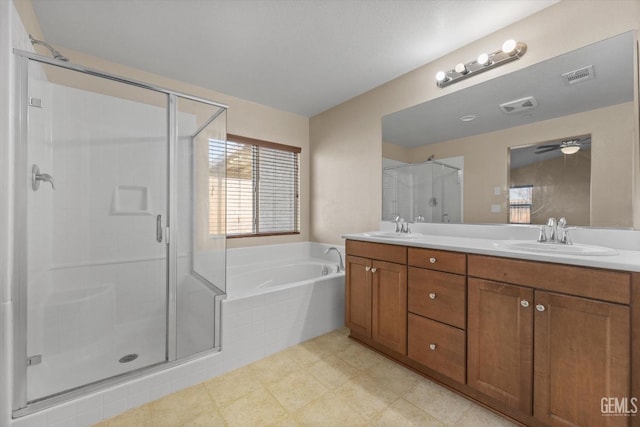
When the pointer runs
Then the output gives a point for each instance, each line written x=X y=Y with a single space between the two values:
x=432 y=295
x=540 y=307
x=373 y=270
x=524 y=303
x=367 y=268
x=432 y=260
x=432 y=347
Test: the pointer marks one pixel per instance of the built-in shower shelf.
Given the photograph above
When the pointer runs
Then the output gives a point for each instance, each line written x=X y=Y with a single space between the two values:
x=131 y=200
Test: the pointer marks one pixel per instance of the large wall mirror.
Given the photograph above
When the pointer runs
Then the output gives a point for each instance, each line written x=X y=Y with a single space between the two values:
x=585 y=95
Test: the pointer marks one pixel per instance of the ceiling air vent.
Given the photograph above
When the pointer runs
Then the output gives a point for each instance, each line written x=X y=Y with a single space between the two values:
x=579 y=75
x=519 y=105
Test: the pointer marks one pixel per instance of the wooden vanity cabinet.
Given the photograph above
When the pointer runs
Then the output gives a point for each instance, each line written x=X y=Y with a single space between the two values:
x=376 y=294
x=576 y=349
x=543 y=343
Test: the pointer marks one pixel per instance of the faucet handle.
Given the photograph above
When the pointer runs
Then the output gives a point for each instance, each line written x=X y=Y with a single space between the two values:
x=542 y=236
x=564 y=235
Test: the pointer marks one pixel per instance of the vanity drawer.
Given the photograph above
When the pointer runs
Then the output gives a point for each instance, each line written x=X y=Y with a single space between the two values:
x=606 y=285
x=381 y=251
x=439 y=296
x=437 y=346
x=433 y=259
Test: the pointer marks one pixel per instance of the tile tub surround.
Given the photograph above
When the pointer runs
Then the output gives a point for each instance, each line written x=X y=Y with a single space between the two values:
x=329 y=381
x=252 y=328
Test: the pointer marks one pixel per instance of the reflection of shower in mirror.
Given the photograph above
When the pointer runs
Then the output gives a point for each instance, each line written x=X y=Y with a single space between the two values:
x=430 y=191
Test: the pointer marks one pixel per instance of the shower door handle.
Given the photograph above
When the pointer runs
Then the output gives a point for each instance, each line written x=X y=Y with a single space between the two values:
x=159 y=228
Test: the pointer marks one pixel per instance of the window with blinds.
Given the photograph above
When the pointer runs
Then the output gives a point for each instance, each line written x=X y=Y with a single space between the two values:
x=520 y=204
x=262 y=187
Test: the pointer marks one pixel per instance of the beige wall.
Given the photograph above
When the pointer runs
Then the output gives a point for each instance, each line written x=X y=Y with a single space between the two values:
x=244 y=118
x=346 y=140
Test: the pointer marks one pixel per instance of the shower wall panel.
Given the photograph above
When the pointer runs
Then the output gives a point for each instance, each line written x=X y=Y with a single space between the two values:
x=100 y=242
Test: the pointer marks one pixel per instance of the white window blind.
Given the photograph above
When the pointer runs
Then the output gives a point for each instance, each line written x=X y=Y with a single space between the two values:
x=520 y=204
x=262 y=187
x=216 y=191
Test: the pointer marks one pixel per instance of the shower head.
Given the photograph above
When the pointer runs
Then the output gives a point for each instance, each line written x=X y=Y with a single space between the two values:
x=56 y=55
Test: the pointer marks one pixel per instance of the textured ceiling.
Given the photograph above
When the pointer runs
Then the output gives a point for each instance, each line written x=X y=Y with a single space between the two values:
x=298 y=56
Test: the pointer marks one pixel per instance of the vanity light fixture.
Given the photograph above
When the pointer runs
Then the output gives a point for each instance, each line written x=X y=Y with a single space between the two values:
x=511 y=50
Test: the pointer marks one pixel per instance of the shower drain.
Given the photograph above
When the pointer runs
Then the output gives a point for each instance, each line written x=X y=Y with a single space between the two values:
x=128 y=358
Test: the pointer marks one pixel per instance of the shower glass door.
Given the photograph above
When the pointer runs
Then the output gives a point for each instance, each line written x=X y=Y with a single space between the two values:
x=95 y=186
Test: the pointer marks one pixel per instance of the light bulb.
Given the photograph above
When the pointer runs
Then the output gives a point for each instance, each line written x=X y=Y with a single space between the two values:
x=461 y=68
x=483 y=59
x=441 y=77
x=509 y=47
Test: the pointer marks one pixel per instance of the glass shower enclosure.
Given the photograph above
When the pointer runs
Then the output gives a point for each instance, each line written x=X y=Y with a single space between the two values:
x=422 y=192
x=120 y=261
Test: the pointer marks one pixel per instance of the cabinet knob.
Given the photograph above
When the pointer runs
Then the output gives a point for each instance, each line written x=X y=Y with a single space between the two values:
x=432 y=347
x=540 y=307
x=367 y=268
x=524 y=303
x=432 y=295
x=432 y=260
x=373 y=269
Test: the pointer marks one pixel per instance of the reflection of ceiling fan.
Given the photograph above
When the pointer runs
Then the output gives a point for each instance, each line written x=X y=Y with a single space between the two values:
x=567 y=146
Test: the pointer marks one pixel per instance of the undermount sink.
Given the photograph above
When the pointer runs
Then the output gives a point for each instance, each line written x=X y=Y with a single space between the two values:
x=394 y=235
x=555 y=248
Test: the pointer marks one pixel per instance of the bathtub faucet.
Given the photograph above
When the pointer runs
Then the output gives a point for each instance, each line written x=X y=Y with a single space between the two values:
x=341 y=265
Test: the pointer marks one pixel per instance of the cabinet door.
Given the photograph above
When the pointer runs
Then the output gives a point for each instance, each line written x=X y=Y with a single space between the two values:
x=358 y=295
x=389 y=319
x=581 y=356
x=499 y=341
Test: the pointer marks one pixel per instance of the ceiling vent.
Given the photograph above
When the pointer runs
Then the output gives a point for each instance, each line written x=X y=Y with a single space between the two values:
x=579 y=75
x=519 y=105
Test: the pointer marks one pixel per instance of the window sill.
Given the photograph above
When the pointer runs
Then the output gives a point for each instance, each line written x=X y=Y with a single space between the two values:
x=240 y=236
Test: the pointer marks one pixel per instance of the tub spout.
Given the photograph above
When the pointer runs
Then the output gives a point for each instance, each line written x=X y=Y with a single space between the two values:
x=341 y=265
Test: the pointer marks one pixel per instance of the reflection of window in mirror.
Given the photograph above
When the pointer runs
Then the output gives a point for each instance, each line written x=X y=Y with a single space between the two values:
x=520 y=204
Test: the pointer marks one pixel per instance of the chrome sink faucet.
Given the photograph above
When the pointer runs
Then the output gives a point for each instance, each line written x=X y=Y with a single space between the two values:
x=341 y=264
x=401 y=225
x=399 y=221
x=559 y=232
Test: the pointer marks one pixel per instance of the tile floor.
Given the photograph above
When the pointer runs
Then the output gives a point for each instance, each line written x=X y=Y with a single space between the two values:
x=327 y=381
